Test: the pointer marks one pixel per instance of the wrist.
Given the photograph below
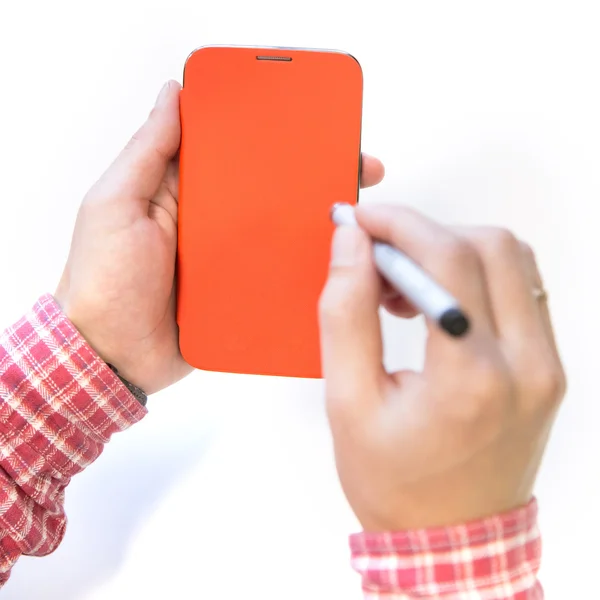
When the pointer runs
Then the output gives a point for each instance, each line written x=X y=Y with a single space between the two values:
x=64 y=378
x=111 y=358
x=137 y=392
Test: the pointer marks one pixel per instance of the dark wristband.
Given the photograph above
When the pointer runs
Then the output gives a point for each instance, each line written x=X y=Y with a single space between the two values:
x=136 y=392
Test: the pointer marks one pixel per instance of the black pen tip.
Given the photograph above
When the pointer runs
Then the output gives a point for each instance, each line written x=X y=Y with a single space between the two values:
x=454 y=322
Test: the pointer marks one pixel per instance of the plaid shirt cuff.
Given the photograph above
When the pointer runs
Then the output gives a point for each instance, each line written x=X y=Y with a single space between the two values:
x=493 y=559
x=59 y=405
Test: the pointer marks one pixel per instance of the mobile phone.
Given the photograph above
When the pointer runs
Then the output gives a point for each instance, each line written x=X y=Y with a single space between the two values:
x=270 y=140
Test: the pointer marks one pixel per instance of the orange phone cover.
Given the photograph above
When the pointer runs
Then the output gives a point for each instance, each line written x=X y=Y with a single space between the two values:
x=267 y=147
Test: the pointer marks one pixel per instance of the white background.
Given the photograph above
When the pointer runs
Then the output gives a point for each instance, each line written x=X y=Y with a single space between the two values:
x=484 y=112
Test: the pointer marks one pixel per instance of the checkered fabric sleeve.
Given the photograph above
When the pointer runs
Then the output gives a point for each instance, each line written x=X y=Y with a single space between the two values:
x=59 y=405
x=493 y=559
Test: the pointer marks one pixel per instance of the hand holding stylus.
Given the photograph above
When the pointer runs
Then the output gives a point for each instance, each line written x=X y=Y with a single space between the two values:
x=463 y=439
x=410 y=280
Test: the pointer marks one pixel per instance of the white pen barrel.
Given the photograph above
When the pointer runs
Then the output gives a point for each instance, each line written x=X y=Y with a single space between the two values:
x=410 y=280
x=418 y=288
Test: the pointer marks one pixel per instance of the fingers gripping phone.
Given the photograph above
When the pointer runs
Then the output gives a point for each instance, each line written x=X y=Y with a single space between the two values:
x=270 y=140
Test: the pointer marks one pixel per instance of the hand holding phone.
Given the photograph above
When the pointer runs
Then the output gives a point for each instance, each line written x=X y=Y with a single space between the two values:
x=118 y=284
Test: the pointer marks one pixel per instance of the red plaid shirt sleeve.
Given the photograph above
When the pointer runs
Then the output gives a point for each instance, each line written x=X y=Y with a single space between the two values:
x=59 y=405
x=493 y=559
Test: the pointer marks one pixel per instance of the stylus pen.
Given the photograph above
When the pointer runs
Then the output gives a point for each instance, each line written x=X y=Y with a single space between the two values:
x=408 y=279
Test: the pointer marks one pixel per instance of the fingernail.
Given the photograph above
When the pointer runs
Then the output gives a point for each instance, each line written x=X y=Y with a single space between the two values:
x=164 y=92
x=345 y=246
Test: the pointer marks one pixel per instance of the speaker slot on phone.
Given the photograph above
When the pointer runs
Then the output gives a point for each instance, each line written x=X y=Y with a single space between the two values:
x=275 y=58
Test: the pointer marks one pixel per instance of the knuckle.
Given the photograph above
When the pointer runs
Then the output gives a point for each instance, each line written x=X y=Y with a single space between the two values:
x=403 y=212
x=546 y=383
x=134 y=142
x=527 y=251
x=335 y=304
x=338 y=409
x=154 y=112
x=143 y=141
x=503 y=241
x=459 y=251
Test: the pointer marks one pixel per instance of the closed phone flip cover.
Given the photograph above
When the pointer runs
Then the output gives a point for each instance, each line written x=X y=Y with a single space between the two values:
x=270 y=140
